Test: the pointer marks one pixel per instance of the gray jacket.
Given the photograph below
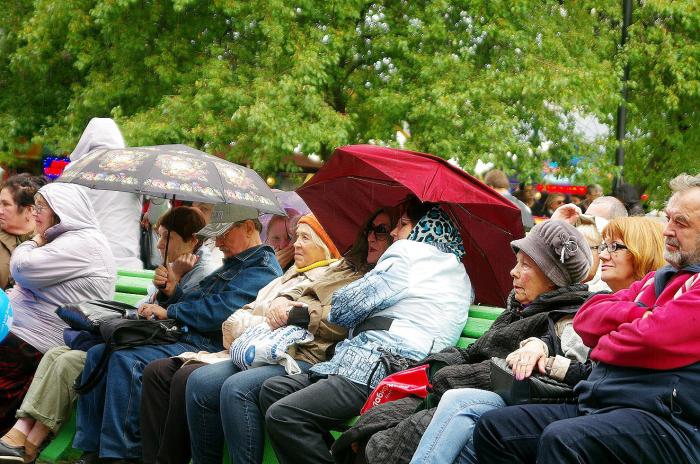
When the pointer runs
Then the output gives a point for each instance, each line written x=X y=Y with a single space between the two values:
x=75 y=265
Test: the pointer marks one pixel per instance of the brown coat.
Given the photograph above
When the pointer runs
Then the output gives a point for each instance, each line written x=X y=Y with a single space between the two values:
x=8 y=243
x=319 y=297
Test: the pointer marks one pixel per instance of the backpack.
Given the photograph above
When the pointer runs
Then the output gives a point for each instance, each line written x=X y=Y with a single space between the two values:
x=119 y=334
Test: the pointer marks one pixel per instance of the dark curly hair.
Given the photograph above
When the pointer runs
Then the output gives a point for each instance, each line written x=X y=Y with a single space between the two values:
x=23 y=187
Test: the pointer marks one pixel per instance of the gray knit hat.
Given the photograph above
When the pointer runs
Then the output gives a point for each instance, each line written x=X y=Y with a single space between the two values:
x=560 y=251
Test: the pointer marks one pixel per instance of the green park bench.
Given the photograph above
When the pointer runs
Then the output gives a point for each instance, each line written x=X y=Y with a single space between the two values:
x=60 y=449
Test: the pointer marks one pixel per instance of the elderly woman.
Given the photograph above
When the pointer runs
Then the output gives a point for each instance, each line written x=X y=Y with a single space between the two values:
x=68 y=260
x=311 y=281
x=632 y=248
x=16 y=218
x=415 y=301
x=280 y=236
x=552 y=261
x=51 y=395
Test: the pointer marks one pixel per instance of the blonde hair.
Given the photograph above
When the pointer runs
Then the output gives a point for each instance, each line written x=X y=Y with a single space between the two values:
x=590 y=233
x=643 y=238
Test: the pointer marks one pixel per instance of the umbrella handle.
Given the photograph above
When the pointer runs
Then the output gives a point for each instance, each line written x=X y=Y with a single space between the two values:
x=167 y=243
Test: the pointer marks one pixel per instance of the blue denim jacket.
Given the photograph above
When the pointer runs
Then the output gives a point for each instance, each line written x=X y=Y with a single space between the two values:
x=237 y=282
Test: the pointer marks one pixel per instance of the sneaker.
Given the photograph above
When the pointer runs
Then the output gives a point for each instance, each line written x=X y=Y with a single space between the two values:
x=11 y=453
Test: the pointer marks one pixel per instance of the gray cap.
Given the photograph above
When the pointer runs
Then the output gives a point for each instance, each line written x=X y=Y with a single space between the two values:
x=223 y=216
x=559 y=250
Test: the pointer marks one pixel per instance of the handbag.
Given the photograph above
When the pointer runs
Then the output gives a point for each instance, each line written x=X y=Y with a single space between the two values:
x=260 y=345
x=534 y=389
x=119 y=334
x=408 y=382
x=391 y=363
x=89 y=315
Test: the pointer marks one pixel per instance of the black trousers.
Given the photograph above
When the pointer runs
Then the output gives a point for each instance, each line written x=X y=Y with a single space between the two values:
x=299 y=413
x=560 y=433
x=164 y=433
x=18 y=362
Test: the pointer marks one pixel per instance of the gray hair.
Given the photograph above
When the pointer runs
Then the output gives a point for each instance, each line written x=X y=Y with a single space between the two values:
x=684 y=182
x=316 y=240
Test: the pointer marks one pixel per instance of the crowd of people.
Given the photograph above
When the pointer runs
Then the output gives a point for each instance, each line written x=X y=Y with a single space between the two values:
x=281 y=332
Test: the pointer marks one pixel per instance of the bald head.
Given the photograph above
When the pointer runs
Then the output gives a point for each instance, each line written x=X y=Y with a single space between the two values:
x=607 y=207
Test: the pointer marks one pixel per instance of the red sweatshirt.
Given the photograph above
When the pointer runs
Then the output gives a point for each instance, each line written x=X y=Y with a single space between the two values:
x=667 y=339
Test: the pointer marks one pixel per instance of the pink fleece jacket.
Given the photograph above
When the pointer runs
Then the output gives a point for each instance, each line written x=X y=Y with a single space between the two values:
x=667 y=339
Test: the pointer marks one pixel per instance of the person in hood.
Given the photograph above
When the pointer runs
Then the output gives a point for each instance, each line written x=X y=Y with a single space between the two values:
x=118 y=213
x=413 y=302
x=68 y=260
x=640 y=402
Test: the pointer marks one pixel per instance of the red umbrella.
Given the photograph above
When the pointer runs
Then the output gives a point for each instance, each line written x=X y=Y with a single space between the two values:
x=358 y=179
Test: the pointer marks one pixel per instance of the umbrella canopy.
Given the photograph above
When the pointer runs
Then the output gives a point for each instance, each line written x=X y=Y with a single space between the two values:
x=293 y=205
x=359 y=179
x=172 y=171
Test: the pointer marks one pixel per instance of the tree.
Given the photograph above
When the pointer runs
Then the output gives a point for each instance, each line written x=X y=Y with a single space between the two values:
x=496 y=80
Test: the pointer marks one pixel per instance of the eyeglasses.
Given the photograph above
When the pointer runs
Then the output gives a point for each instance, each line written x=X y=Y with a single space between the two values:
x=611 y=248
x=39 y=208
x=380 y=231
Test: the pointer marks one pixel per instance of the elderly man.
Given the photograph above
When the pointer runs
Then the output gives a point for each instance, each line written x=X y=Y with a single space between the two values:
x=108 y=415
x=640 y=402
x=607 y=208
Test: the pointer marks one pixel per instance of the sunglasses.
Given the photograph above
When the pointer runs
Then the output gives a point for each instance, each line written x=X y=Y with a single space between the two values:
x=380 y=231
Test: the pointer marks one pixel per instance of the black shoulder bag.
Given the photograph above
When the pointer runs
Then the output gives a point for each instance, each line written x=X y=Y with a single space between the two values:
x=534 y=389
x=120 y=334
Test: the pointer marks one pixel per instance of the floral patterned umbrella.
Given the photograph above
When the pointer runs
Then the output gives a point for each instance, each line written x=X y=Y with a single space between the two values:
x=172 y=171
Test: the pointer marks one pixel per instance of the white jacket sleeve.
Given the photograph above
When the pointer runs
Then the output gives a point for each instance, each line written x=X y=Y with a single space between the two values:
x=37 y=267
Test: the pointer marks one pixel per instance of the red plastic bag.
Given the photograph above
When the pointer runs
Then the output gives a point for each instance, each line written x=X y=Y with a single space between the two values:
x=409 y=382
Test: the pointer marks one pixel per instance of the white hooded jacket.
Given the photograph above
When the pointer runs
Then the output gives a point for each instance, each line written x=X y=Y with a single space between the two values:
x=75 y=265
x=118 y=213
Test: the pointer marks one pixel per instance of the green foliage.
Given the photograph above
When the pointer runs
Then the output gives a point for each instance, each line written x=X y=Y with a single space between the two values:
x=502 y=81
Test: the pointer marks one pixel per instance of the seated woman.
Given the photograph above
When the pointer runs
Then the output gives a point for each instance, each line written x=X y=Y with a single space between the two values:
x=415 y=301
x=311 y=281
x=544 y=280
x=280 y=236
x=108 y=414
x=16 y=218
x=50 y=398
x=561 y=354
x=68 y=260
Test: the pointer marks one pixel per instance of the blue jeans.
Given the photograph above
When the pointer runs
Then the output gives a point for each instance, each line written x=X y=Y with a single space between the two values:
x=108 y=415
x=222 y=402
x=448 y=438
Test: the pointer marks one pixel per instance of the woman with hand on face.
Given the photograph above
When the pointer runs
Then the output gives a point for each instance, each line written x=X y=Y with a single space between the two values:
x=68 y=260
x=187 y=260
x=280 y=236
x=300 y=297
x=50 y=398
x=16 y=218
